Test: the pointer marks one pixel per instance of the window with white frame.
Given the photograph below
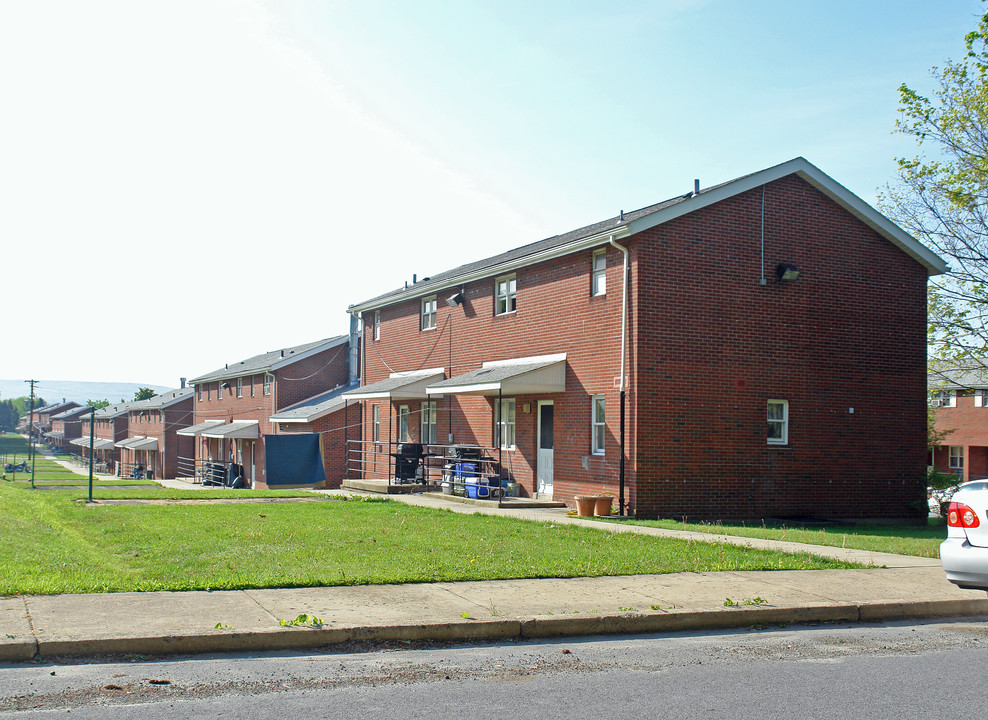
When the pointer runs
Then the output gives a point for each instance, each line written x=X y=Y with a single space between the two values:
x=979 y=398
x=955 y=457
x=504 y=421
x=252 y=383
x=266 y=387
x=778 y=422
x=428 y=422
x=403 y=413
x=599 y=272
x=240 y=387
x=597 y=425
x=504 y=295
x=219 y=390
x=944 y=398
x=428 y=313
x=199 y=393
x=376 y=422
x=377 y=324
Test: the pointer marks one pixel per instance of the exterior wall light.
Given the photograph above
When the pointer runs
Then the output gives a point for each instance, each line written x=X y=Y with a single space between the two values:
x=785 y=271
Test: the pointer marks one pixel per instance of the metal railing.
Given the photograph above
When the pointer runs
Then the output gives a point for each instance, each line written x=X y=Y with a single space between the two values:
x=470 y=470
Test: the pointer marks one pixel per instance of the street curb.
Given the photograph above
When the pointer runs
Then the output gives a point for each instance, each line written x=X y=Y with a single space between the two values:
x=473 y=630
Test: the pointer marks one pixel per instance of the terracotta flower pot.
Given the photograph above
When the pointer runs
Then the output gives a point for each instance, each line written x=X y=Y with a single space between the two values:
x=585 y=505
x=602 y=506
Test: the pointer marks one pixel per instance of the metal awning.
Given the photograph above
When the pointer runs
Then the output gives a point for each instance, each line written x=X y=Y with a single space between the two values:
x=399 y=386
x=98 y=443
x=56 y=434
x=521 y=376
x=128 y=442
x=144 y=444
x=236 y=430
x=197 y=430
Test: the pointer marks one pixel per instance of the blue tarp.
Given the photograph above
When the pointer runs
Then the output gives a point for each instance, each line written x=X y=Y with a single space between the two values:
x=293 y=461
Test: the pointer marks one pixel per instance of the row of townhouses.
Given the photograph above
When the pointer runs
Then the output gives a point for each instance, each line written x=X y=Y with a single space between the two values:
x=755 y=349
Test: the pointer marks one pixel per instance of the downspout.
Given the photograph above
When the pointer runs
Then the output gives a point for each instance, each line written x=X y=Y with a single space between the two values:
x=624 y=350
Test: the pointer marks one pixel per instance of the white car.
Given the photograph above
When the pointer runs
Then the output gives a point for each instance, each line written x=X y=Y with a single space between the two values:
x=964 y=554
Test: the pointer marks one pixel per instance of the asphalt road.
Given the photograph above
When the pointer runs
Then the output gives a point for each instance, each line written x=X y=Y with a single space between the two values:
x=892 y=670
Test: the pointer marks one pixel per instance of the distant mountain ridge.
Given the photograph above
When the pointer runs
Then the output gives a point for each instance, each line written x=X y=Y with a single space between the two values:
x=74 y=390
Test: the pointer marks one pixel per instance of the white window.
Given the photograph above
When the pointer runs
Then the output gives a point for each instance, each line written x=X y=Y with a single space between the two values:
x=428 y=435
x=376 y=414
x=504 y=421
x=428 y=313
x=504 y=295
x=945 y=398
x=219 y=390
x=979 y=398
x=599 y=272
x=377 y=324
x=597 y=425
x=955 y=458
x=266 y=387
x=252 y=386
x=240 y=387
x=403 y=423
x=199 y=392
x=778 y=422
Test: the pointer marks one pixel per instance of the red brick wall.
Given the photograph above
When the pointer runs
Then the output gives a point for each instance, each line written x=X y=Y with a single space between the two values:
x=715 y=346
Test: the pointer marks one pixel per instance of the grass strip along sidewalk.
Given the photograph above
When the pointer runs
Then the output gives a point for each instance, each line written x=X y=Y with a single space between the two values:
x=53 y=542
x=918 y=540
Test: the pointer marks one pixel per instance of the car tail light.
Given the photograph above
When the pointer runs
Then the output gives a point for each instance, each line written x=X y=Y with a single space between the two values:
x=960 y=515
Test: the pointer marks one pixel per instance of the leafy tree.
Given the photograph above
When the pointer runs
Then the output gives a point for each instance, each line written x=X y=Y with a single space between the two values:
x=942 y=194
x=98 y=404
x=144 y=393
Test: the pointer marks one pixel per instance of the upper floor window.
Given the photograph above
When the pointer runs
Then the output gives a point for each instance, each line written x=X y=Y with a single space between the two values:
x=376 y=420
x=599 y=273
x=219 y=390
x=266 y=387
x=199 y=393
x=778 y=422
x=240 y=387
x=944 y=398
x=377 y=324
x=504 y=295
x=428 y=313
x=252 y=386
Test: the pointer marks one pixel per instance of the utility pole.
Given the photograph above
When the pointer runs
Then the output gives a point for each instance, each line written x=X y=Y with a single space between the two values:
x=30 y=432
x=92 y=430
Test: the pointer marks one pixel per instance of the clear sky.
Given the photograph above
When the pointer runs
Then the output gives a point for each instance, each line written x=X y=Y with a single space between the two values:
x=188 y=183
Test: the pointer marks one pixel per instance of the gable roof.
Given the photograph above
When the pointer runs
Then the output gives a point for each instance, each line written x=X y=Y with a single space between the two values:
x=115 y=410
x=71 y=413
x=313 y=408
x=162 y=400
x=636 y=221
x=971 y=376
x=270 y=361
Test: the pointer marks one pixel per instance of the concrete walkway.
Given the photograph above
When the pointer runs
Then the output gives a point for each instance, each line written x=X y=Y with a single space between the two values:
x=250 y=620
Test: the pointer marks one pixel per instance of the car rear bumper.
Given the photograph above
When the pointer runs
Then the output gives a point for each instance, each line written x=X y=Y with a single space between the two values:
x=965 y=564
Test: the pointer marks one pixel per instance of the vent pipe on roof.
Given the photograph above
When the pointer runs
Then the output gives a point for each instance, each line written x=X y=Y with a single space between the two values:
x=696 y=187
x=181 y=383
x=415 y=278
x=621 y=216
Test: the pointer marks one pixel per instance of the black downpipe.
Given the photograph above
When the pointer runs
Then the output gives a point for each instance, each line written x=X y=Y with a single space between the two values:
x=621 y=463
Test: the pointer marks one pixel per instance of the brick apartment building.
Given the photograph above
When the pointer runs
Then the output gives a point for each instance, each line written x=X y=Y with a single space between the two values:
x=959 y=396
x=235 y=406
x=769 y=337
x=66 y=426
x=111 y=423
x=152 y=438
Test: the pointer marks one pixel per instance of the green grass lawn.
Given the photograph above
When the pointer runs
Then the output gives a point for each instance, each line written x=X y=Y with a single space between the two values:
x=922 y=541
x=51 y=541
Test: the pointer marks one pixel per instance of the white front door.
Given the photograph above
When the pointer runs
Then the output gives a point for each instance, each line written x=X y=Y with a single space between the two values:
x=544 y=444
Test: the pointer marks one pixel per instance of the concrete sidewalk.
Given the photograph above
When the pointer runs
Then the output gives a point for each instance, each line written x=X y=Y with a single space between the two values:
x=249 y=620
